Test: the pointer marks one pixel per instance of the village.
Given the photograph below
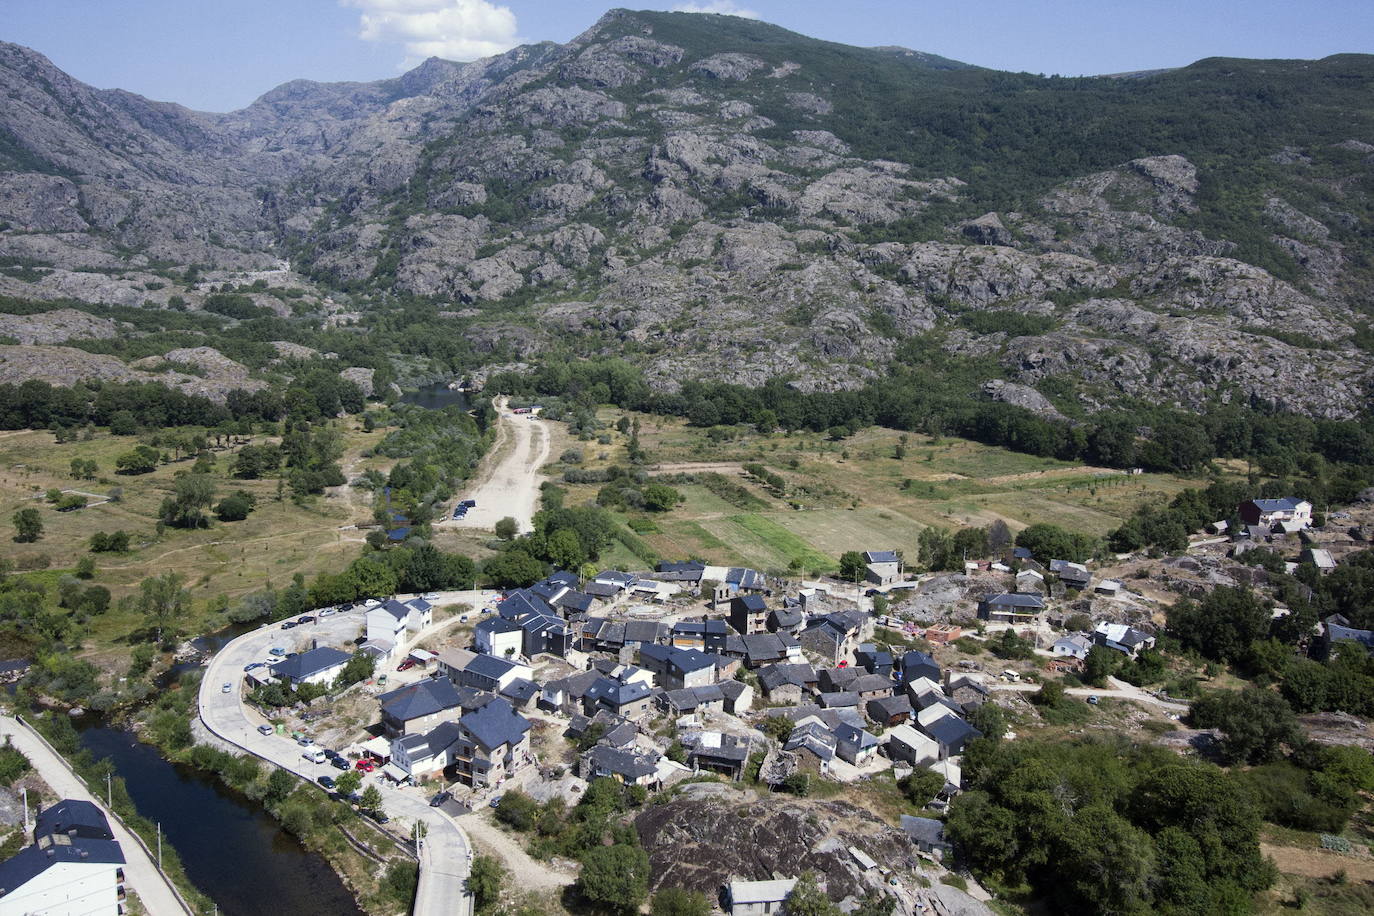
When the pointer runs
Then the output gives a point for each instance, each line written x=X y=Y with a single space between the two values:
x=657 y=678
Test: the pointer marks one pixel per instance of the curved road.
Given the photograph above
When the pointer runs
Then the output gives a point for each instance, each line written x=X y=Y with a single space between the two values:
x=144 y=877
x=1119 y=690
x=508 y=483
x=444 y=853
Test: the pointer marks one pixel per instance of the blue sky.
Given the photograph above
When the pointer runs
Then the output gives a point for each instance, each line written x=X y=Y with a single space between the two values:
x=218 y=55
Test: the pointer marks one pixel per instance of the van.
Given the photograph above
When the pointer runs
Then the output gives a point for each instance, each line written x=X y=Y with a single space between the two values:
x=314 y=755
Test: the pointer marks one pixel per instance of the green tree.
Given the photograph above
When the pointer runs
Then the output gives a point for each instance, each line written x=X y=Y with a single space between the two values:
x=615 y=877
x=807 y=898
x=163 y=601
x=921 y=786
x=660 y=498
x=371 y=800
x=991 y=720
x=1108 y=864
x=1100 y=664
x=485 y=878
x=674 y=901
x=28 y=525
x=235 y=507
x=191 y=496
x=279 y=785
x=1255 y=723
x=852 y=566
x=348 y=782
x=564 y=550
x=1050 y=542
x=1223 y=624
x=513 y=568
x=507 y=528
x=359 y=667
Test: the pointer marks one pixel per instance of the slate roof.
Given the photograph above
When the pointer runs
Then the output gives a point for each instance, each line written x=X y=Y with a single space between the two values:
x=617 y=693
x=616 y=577
x=490 y=666
x=644 y=631
x=881 y=709
x=1285 y=504
x=73 y=817
x=520 y=690
x=881 y=556
x=601 y=590
x=575 y=684
x=522 y=602
x=870 y=682
x=772 y=677
x=861 y=739
x=924 y=831
x=423 y=698
x=32 y=861
x=496 y=625
x=813 y=737
x=626 y=764
x=681 y=572
x=951 y=731
x=495 y=724
x=764 y=646
x=741 y=577
x=1336 y=632
x=785 y=618
x=1009 y=599
x=310 y=662
x=752 y=604
x=842 y=698
x=716 y=627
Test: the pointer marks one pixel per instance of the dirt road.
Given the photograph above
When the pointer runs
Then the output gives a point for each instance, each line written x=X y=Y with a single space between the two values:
x=507 y=483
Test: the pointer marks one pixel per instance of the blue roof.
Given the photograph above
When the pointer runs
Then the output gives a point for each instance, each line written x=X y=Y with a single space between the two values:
x=1286 y=504
x=495 y=724
x=310 y=663
x=617 y=693
x=752 y=603
x=497 y=625
x=520 y=689
x=881 y=556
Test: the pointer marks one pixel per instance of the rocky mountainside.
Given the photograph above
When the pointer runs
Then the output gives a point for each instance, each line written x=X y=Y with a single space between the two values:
x=719 y=198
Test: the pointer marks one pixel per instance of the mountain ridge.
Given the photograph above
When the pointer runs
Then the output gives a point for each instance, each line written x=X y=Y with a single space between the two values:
x=708 y=195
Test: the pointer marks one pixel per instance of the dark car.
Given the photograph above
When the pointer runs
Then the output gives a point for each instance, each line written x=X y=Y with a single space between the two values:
x=327 y=782
x=338 y=763
x=439 y=799
x=380 y=817
x=305 y=619
x=345 y=607
x=290 y=624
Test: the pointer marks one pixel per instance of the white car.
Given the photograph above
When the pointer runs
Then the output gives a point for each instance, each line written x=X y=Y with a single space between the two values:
x=226 y=688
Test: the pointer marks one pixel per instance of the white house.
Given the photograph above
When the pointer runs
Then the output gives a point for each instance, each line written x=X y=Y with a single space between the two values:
x=74 y=867
x=906 y=744
x=499 y=636
x=1294 y=514
x=391 y=619
x=317 y=666
x=757 y=898
x=1075 y=645
x=1122 y=638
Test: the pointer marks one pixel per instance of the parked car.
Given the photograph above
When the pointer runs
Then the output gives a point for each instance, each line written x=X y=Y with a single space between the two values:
x=314 y=755
x=226 y=687
x=344 y=608
x=439 y=799
x=306 y=619
x=305 y=741
x=277 y=651
x=367 y=766
x=327 y=782
x=1093 y=701
x=380 y=817
x=288 y=625
x=406 y=665
x=338 y=763
x=463 y=619
x=266 y=730
x=251 y=666
x=496 y=801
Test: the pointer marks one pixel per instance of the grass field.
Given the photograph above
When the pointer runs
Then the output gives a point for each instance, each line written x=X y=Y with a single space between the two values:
x=857 y=495
x=278 y=540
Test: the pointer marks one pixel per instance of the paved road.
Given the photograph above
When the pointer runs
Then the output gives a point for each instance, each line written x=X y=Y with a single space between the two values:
x=508 y=485
x=140 y=871
x=444 y=854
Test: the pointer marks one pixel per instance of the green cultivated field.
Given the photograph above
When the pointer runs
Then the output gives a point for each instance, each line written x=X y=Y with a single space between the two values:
x=856 y=495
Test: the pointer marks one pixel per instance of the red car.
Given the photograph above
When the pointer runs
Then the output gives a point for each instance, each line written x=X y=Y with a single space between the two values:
x=367 y=766
x=406 y=665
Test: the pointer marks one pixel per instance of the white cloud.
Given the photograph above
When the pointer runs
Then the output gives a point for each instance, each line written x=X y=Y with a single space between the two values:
x=452 y=29
x=724 y=7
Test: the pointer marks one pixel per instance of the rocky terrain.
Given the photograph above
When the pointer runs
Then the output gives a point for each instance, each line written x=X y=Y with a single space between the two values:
x=716 y=198
x=712 y=832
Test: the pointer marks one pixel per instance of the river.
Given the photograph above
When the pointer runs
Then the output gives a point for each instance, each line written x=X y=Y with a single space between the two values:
x=232 y=849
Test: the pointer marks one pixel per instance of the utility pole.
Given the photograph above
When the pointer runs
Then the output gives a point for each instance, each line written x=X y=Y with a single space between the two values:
x=26 y=809
x=109 y=794
x=159 y=845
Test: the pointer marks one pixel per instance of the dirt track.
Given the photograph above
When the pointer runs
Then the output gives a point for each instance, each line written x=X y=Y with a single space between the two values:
x=507 y=483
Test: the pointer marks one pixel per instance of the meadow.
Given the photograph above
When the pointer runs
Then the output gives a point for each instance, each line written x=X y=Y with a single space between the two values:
x=874 y=490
